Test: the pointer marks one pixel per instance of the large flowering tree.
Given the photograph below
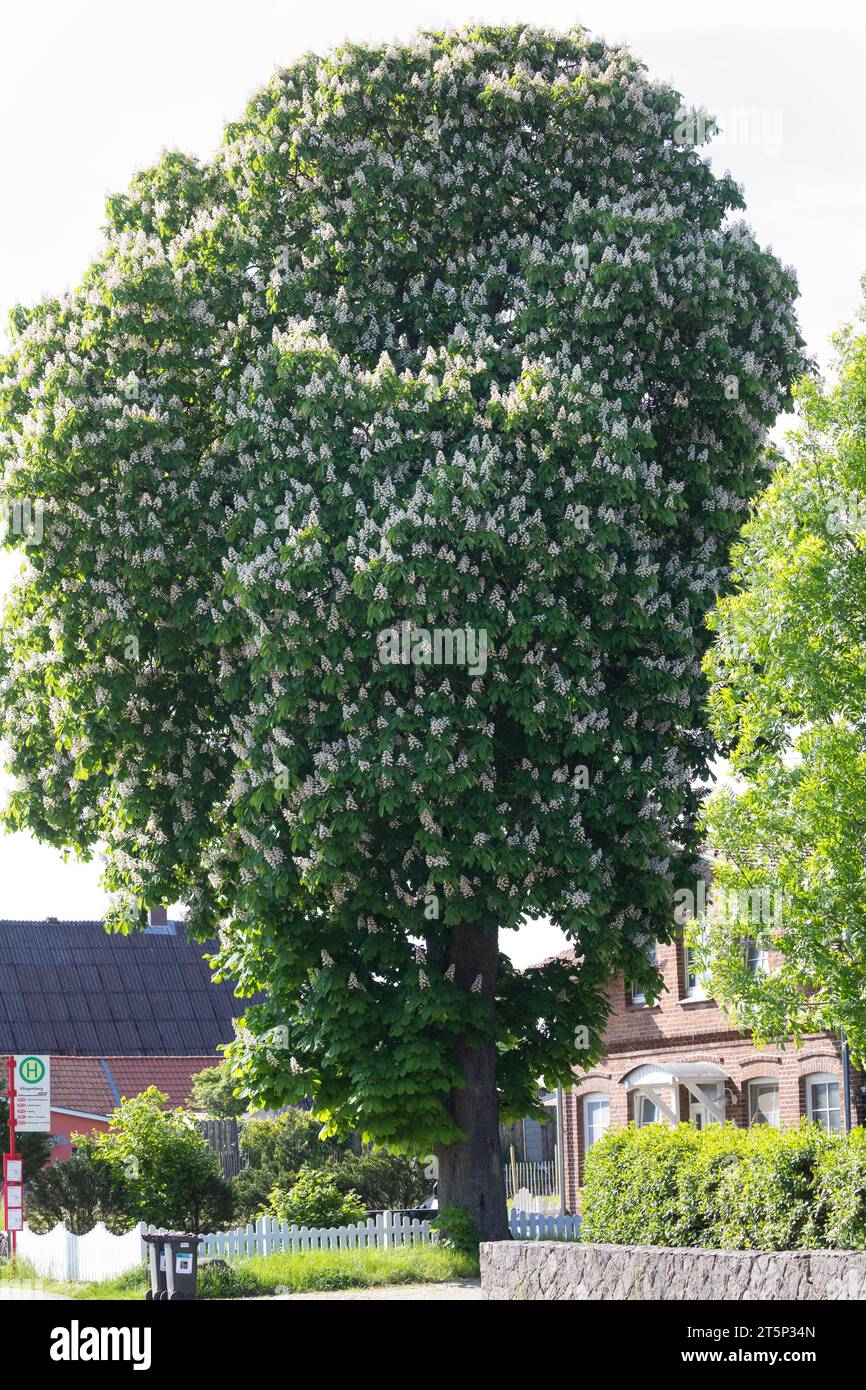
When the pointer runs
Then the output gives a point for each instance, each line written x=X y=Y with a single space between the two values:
x=458 y=336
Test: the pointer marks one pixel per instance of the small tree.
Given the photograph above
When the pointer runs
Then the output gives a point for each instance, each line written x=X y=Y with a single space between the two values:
x=214 y=1092
x=168 y=1173
x=80 y=1191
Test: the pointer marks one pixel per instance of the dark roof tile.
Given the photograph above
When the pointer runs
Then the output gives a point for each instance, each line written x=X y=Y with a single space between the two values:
x=70 y=987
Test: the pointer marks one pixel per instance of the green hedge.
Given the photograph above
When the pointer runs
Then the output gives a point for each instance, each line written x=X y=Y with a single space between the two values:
x=727 y=1188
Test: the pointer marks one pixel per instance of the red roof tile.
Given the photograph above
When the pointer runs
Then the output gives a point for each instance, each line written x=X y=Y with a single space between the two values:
x=93 y=1085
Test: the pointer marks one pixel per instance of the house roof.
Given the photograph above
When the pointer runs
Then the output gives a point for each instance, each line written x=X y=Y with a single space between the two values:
x=96 y=1085
x=73 y=988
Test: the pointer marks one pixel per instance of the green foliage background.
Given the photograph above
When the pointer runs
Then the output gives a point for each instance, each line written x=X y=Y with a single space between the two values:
x=787 y=695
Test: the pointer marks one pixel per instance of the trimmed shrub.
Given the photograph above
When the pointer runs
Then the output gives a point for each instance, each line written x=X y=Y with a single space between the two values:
x=843 y=1188
x=315 y=1200
x=727 y=1188
x=381 y=1179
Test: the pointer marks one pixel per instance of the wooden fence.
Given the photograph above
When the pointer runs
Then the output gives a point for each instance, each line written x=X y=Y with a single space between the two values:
x=222 y=1136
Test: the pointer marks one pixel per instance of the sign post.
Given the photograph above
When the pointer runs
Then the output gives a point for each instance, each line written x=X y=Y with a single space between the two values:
x=11 y=1168
x=29 y=1090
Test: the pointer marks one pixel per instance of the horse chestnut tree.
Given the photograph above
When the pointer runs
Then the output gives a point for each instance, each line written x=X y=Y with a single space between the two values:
x=452 y=337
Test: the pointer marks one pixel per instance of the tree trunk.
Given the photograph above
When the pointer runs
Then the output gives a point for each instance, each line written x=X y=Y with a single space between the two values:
x=471 y=1173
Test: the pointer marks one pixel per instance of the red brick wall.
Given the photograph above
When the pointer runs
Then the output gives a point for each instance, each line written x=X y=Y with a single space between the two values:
x=677 y=1029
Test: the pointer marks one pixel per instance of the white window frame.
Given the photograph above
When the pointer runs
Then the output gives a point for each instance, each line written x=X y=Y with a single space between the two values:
x=641 y=1099
x=638 y=996
x=595 y=1097
x=752 y=1108
x=699 y=1109
x=823 y=1078
x=757 y=959
x=698 y=990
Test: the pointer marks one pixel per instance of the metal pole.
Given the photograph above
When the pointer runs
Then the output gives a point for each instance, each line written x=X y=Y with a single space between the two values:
x=846 y=1080
x=10 y=1063
x=560 y=1151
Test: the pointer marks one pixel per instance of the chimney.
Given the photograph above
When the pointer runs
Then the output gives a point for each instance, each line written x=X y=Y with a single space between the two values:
x=158 y=917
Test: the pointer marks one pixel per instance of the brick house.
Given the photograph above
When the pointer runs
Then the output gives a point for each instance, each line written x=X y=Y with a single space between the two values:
x=116 y=1014
x=681 y=1059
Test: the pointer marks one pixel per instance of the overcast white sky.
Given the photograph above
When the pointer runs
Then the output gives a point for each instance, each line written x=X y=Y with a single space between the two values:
x=91 y=92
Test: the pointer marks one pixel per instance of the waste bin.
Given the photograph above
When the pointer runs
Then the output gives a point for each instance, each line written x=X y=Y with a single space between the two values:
x=156 y=1264
x=173 y=1265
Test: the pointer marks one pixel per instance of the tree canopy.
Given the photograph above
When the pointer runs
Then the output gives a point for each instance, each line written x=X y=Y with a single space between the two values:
x=458 y=336
x=788 y=691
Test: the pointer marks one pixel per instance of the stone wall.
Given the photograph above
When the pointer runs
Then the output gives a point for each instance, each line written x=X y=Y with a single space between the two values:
x=553 y=1270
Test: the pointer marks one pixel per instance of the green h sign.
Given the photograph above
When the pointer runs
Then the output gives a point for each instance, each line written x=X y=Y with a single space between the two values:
x=31 y=1070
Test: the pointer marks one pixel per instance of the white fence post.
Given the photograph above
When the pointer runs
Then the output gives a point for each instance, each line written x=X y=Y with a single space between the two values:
x=71 y=1256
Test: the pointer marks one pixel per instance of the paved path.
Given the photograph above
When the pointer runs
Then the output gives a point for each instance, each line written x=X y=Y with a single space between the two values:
x=28 y=1291
x=463 y=1289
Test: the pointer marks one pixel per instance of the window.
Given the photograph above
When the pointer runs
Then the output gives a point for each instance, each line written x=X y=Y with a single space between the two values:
x=764 y=1102
x=596 y=1118
x=699 y=1114
x=757 y=958
x=646 y=1112
x=696 y=982
x=638 y=996
x=822 y=1102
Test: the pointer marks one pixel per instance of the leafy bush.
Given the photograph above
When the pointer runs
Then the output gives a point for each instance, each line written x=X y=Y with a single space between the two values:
x=315 y=1200
x=381 y=1179
x=457 y=1231
x=216 y=1279
x=727 y=1188
x=843 y=1185
x=276 y=1148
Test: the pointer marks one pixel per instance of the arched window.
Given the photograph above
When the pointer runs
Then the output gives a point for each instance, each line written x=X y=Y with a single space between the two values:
x=823 y=1101
x=596 y=1118
x=764 y=1101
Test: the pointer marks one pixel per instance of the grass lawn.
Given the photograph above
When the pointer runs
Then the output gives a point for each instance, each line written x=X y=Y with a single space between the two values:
x=307 y=1271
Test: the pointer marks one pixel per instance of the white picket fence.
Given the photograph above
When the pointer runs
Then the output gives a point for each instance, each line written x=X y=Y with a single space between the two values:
x=268 y=1236
x=100 y=1255
x=539 y=1225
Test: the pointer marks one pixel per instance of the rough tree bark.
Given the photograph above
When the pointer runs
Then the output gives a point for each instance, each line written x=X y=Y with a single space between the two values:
x=471 y=1173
